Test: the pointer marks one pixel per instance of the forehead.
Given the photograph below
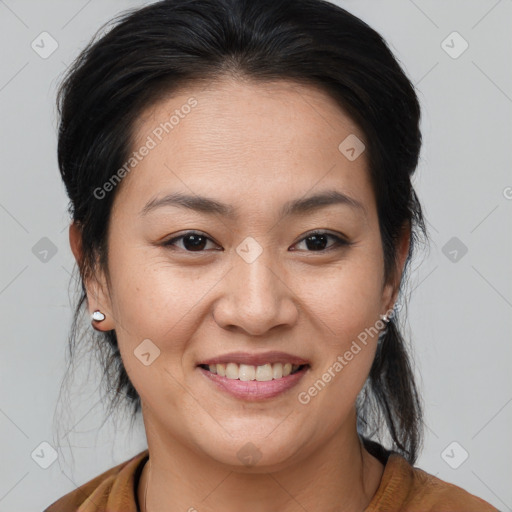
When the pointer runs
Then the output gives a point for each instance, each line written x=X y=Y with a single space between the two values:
x=238 y=106
x=240 y=138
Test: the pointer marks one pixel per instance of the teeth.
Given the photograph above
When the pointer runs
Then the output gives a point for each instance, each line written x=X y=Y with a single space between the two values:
x=277 y=370
x=264 y=372
x=248 y=372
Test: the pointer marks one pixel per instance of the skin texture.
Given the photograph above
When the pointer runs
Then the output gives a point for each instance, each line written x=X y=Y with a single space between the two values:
x=254 y=146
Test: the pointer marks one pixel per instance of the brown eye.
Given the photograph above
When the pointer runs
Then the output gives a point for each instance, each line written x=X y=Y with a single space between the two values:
x=318 y=241
x=191 y=241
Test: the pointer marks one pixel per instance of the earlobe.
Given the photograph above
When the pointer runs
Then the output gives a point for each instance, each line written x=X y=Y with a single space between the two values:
x=97 y=301
x=392 y=289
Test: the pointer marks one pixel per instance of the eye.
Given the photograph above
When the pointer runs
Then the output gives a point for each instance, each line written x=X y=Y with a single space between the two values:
x=316 y=241
x=192 y=241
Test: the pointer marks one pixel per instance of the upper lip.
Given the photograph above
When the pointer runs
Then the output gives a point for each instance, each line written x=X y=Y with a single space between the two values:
x=255 y=359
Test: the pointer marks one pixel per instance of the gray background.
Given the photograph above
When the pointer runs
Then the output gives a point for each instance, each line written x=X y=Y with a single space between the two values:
x=460 y=311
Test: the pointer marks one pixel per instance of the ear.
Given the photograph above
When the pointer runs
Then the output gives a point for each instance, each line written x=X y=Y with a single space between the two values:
x=391 y=289
x=98 y=297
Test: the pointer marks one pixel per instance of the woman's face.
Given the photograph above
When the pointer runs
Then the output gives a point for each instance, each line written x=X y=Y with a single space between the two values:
x=251 y=279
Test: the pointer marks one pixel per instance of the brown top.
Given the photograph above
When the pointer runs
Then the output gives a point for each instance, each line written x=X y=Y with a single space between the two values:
x=403 y=488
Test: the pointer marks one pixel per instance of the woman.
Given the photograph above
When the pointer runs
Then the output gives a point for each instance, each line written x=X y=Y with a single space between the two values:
x=239 y=175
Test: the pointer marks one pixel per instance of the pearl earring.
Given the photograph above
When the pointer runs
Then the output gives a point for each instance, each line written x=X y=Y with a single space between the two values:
x=384 y=318
x=98 y=316
x=383 y=333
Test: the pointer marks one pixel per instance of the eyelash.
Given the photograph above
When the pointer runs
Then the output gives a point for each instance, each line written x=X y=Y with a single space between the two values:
x=339 y=241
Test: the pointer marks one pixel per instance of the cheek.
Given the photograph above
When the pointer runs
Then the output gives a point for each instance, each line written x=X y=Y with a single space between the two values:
x=156 y=308
x=166 y=303
x=154 y=297
x=159 y=299
x=346 y=297
x=153 y=304
x=344 y=306
x=346 y=336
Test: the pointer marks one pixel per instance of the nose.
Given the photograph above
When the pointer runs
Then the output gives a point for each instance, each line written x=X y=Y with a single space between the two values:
x=256 y=297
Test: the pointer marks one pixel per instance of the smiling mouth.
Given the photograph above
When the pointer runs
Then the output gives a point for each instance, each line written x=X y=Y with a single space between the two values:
x=245 y=372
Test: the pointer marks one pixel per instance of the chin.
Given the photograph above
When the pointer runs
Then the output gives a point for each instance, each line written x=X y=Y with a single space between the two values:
x=260 y=453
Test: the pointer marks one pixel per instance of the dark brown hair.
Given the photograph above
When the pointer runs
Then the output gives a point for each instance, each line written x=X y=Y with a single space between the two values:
x=151 y=51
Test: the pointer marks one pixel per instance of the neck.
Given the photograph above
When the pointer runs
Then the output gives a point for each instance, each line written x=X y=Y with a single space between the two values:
x=338 y=476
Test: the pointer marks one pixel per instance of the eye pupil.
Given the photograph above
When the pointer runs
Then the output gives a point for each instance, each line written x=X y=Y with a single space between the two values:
x=314 y=242
x=198 y=242
x=319 y=242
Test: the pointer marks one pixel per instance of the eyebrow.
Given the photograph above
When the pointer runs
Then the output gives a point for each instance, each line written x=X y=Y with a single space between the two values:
x=210 y=206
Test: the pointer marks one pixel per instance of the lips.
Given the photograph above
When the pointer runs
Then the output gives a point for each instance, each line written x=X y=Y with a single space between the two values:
x=254 y=359
x=248 y=389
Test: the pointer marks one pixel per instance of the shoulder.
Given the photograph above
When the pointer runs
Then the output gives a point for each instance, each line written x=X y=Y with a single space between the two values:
x=112 y=488
x=407 y=488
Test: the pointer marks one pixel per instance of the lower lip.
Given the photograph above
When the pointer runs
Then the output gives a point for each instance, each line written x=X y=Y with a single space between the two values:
x=253 y=390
